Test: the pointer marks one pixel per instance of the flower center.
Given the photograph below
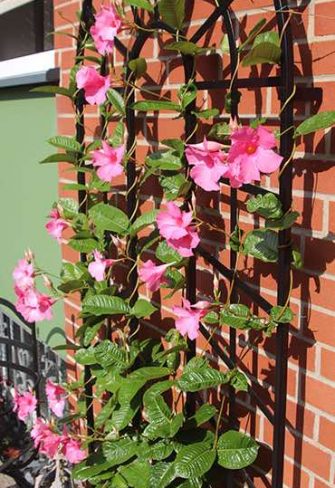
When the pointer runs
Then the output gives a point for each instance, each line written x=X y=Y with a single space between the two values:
x=251 y=148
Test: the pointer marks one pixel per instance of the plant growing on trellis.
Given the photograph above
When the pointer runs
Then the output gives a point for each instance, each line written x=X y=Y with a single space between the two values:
x=153 y=427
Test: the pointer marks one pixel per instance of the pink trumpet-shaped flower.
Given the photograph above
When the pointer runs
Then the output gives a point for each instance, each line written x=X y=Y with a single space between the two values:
x=251 y=153
x=56 y=395
x=98 y=267
x=209 y=164
x=175 y=226
x=46 y=440
x=23 y=275
x=152 y=275
x=56 y=225
x=108 y=161
x=72 y=451
x=94 y=85
x=189 y=316
x=107 y=25
x=24 y=405
x=34 y=306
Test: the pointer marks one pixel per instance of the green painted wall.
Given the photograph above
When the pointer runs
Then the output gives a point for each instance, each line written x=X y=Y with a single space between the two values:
x=27 y=191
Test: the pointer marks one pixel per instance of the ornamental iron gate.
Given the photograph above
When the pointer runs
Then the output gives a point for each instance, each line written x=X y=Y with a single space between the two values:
x=284 y=84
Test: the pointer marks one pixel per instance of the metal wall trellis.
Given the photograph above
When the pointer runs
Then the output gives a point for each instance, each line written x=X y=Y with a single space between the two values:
x=284 y=83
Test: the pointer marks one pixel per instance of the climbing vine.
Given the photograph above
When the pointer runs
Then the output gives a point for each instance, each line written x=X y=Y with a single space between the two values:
x=151 y=425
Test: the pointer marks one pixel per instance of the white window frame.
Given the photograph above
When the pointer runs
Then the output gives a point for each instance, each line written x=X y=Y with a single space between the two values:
x=7 y=5
x=29 y=70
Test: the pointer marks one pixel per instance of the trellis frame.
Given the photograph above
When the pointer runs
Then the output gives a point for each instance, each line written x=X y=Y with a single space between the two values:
x=284 y=82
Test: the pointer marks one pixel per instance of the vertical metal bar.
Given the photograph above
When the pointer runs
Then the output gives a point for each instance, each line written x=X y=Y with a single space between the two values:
x=36 y=366
x=284 y=263
x=86 y=18
x=234 y=60
x=191 y=272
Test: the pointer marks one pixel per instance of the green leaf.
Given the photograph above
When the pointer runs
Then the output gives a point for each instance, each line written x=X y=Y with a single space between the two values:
x=153 y=105
x=116 y=139
x=174 y=186
x=104 y=414
x=201 y=416
x=120 y=451
x=185 y=47
x=109 y=353
x=264 y=53
x=207 y=114
x=282 y=315
x=145 y=4
x=70 y=286
x=86 y=357
x=267 y=36
x=67 y=143
x=116 y=99
x=83 y=242
x=194 y=461
x=106 y=217
x=162 y=474
x=201 y=378
x=297 y=260
x=172 y=12
x=69 y=206
x=142 y=308
x=54 y=89
x=84 y=472
x=262 y=245
x=236 y=450
x=166 y=254
x=72 y=271
x=235 y=315
x=253 y=33
x=146 y=219
x=268 y=206
x=123 y=414
x=138 y=66
x=211 y=318
x=158 y=451
x=176 y=144
x=285 y=222
x=166 y=160
x=137 y=474
x=220 y=132
x=239 y=381
x=105 y=305
x=58 y=157
x=187 y=93
x=322 y=120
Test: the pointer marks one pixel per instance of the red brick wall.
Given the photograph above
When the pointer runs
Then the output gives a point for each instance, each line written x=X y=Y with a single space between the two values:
x=310 y=440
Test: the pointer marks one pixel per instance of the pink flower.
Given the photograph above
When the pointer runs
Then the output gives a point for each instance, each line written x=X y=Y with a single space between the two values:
x=174 y=226
x=56 y=395
x=98 y=267
x=152 y=275
x=34 y=306
x=95 y=86
x=45 y=439
x=209 y=164
x=56 y=225
x=24 y=404
x=107 y=25
x=72 y=451
x=23 y=275
x=189 y=317
x=251 y=154
x=108 y=161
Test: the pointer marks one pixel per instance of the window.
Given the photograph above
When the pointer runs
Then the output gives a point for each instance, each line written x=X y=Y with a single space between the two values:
x=24 y=27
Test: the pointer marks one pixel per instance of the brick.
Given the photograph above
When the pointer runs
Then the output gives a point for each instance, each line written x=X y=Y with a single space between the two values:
x=324 y=23
x=320 y=395
x=327 y=433
x=328 y=364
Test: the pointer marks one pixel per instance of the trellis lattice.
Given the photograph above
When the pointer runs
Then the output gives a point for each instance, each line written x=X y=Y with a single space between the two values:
x=285 y=85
